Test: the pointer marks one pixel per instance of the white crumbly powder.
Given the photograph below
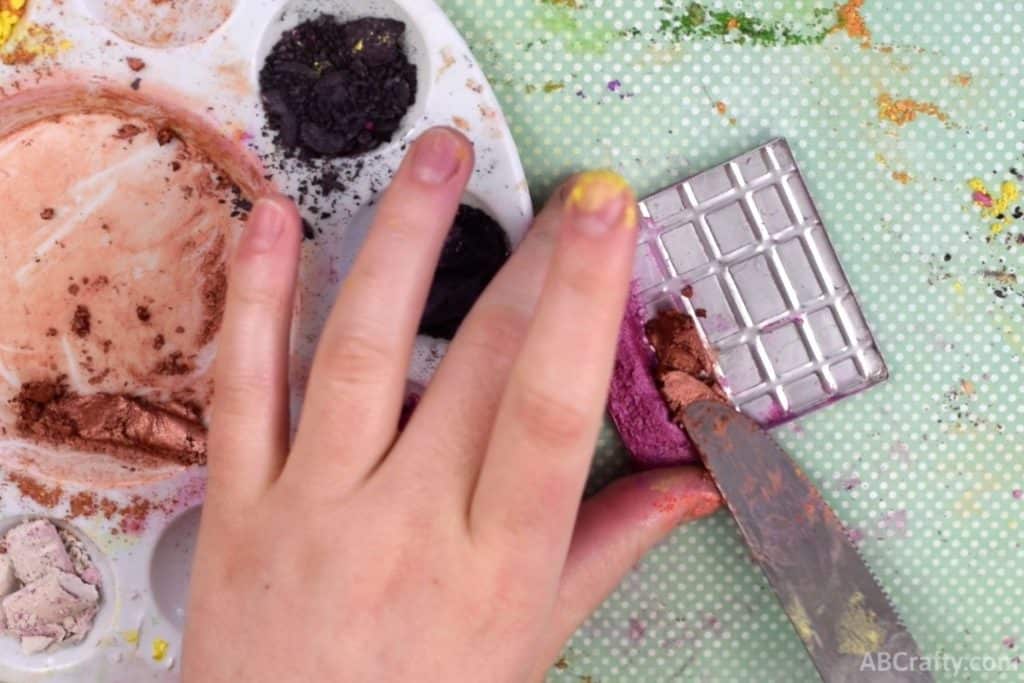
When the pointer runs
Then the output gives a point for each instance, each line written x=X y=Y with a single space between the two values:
x=48 y=584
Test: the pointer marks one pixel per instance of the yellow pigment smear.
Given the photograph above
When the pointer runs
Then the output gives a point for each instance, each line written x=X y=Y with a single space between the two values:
x=801 y=622
x=858 y=631
x=131 y=637
x=33 y=42
x=902 y=112
x=160 y=647
x=11 y=12
x=992 y=207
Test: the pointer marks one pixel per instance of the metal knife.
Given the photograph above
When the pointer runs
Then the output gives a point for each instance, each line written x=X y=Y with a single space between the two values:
x=843 y=616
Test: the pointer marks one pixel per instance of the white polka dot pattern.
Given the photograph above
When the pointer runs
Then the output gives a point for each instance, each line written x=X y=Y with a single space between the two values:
x=928 y=469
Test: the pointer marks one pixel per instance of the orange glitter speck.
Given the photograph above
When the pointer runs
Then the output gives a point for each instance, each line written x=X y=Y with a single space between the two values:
x=902 y=112
x=852 y=21
x=963 y=80
x=721 y=107
x=902 y=177
x=733 y=24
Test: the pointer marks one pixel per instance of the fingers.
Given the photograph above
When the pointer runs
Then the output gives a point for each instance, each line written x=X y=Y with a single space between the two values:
x=249 y=434
x=546 y=428
x=619 y=525
x=357 y=382
x=465 y=392
x=614 y=530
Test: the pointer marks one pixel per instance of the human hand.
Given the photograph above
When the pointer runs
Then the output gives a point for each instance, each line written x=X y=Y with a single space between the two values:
x=458 y=549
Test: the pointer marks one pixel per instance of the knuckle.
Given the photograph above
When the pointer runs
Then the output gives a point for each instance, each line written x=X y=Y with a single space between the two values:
x=238 y=389
x=497 y=333
x=355 y=360
x=549 y=420
x=258 y=293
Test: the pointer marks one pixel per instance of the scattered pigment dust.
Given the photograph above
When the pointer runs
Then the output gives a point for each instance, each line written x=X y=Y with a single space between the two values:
x=333 y=89
x=475 y=250
x=660 y=369
x=122 y=237
x=851 y=21
x=683 y=20
x=49 y=585
x=902 y=112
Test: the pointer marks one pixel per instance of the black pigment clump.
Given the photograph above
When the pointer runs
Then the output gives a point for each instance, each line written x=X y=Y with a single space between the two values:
x=475 y=250
x=333 y=89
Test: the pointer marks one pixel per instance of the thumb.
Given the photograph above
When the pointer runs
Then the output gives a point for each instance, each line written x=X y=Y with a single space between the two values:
x=614 y=529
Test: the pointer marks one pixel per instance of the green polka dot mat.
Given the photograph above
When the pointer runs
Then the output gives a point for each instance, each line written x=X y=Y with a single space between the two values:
x=908 y=119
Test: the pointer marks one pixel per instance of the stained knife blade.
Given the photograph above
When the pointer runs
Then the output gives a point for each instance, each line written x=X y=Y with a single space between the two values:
x=841 y=613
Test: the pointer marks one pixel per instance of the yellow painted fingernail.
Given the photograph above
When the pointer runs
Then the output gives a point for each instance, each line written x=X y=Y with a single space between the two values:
x=604 y=197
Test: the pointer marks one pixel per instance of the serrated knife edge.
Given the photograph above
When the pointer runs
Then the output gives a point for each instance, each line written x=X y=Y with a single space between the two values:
x=836 y=604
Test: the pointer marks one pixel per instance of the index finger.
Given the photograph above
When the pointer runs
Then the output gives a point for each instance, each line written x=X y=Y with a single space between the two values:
x=546 y=428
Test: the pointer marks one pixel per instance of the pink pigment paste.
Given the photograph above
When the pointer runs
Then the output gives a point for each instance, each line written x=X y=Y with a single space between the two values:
x=635 y=403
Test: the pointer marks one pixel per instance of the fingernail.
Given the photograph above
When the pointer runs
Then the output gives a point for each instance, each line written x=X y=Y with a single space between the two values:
x=437 y=156
x=601 y=202
x=266 y=224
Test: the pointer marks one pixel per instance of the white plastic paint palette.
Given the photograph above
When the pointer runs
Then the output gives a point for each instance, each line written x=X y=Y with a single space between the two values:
x=199 y=75
x=743 y=250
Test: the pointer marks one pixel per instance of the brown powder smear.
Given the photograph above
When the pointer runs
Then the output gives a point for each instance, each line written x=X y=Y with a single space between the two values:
x=46 y=496
x=174 y=364
x=83 y=504
x=685 y=372
x=81 y=323
x=50 y=412
x=127 y=132
x=215 y=289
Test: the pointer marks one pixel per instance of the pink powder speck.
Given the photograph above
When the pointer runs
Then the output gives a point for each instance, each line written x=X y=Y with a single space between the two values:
x=637 y=630
x=848 y=483
x=894 y=524
x=982 y=198
x=1018 y=494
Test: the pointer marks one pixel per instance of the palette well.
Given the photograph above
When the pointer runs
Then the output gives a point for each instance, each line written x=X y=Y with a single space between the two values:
x=134 y=141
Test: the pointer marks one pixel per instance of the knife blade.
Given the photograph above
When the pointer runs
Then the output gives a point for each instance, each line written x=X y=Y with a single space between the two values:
x=841 y=613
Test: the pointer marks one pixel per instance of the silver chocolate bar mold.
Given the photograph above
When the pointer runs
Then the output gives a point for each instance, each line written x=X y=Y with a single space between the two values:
x=745 y=241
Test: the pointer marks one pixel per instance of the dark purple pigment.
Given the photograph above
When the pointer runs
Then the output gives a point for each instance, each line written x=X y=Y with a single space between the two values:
x=475 y=250
x=333 y=89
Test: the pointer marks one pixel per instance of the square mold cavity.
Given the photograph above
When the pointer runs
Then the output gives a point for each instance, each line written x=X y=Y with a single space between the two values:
x=744 y=251
x=730 y=228
x=685 y=249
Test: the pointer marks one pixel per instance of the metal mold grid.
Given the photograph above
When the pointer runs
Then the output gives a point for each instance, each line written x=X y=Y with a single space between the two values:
x=761 y=278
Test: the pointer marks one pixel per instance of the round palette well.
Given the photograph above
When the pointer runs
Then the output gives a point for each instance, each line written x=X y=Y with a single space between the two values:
x=133 y=141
